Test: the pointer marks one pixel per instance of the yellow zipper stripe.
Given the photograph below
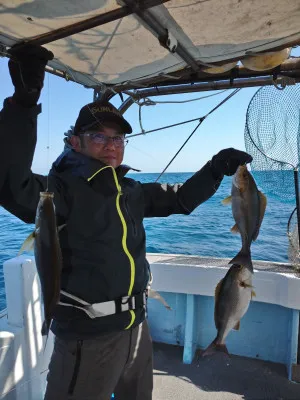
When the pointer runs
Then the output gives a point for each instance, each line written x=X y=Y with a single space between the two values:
x=97 y=172
x=124 y=238
x=132 y=319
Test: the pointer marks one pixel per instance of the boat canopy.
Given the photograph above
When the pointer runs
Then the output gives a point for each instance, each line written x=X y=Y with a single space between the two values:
x=133 y=44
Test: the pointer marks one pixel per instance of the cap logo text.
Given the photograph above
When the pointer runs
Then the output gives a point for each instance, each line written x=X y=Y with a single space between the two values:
x=102 y=109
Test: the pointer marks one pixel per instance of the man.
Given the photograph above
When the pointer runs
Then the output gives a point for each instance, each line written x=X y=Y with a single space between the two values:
x=103 y=242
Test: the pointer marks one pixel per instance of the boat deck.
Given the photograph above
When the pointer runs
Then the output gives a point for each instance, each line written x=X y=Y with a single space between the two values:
x=218 y=378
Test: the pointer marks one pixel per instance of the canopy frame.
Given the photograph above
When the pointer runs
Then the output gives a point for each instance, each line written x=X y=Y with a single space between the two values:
x=192 y=76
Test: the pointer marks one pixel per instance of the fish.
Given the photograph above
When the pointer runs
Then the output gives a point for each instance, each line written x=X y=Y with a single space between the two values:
x=155 y=295
x=248 y=210
x=152 y=294
x=48 y=257
x=232 y=298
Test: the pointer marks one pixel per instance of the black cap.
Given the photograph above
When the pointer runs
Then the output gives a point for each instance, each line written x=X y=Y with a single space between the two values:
x=98 y=113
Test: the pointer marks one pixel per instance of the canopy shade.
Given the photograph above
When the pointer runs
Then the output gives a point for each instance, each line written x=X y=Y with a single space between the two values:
x=179 y=38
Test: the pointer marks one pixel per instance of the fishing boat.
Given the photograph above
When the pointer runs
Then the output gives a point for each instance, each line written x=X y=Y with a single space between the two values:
x=137 y=50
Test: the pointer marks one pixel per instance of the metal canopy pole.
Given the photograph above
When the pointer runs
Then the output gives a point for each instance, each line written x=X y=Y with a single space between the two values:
x=161 y=33
x=289 y=68
x=92 y=22
x=199 y=87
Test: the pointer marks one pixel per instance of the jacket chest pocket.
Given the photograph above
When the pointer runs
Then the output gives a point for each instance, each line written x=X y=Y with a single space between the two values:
x=133 y=207
x=130 y=216
x=94 y=216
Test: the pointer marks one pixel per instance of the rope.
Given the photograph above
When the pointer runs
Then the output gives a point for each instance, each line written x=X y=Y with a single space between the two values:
x=200 y=122
x=146 y=102
x=187 y=101
x=18 y=385
x=149 y=102
x=75 y=80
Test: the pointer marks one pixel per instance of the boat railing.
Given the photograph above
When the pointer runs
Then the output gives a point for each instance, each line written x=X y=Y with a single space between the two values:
x=23 y=356
x=269 y=329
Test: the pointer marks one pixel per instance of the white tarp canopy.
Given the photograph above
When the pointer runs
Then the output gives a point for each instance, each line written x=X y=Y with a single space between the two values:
x=128 y=50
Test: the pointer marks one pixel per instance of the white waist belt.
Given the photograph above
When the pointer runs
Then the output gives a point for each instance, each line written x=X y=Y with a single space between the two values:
x=105 y=308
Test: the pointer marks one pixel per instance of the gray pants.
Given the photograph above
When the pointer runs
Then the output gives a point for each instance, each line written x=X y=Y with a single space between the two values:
x=93 y=369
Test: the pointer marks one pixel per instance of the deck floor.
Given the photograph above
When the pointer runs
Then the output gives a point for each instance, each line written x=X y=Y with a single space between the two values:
x=218 y=378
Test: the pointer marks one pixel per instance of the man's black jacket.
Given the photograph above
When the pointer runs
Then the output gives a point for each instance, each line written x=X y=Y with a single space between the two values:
x=103 y=242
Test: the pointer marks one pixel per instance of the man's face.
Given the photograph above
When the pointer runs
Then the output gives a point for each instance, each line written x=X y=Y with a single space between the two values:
x=105 y=144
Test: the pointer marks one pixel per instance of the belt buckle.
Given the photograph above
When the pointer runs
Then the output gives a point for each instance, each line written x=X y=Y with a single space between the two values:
x=131 y=303
x=128 y=303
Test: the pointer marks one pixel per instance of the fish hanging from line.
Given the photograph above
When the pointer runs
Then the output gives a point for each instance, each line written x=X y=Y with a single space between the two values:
x=248 y=209
x=48 y=258
x=232 y=298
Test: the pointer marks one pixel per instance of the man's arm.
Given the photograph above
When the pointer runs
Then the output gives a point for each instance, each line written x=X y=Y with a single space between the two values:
x=164 y=200
x=18 y=127
x=19 y=187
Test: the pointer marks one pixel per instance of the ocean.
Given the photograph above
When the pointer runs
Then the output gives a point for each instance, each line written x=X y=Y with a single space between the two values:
x=206 y=232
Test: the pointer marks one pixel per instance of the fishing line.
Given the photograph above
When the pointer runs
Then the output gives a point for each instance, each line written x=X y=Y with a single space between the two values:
x=150 y=102
x=142 y=151
x=20 y=385
x=146 y=102
x=200 y=122
x=197 y=119
x=5 y=53
x=48 y=135
x=70 y=72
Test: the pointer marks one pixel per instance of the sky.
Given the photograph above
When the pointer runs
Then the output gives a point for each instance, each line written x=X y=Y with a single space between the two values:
x=62 y=100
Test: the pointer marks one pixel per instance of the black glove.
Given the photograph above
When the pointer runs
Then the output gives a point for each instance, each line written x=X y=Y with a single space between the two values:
x=227 y=161
x=27 y=71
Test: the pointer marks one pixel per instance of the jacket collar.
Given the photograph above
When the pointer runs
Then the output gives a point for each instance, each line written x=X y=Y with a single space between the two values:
x=79 y=164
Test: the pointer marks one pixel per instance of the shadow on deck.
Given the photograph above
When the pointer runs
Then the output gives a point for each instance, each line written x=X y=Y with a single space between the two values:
x=218 y=378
